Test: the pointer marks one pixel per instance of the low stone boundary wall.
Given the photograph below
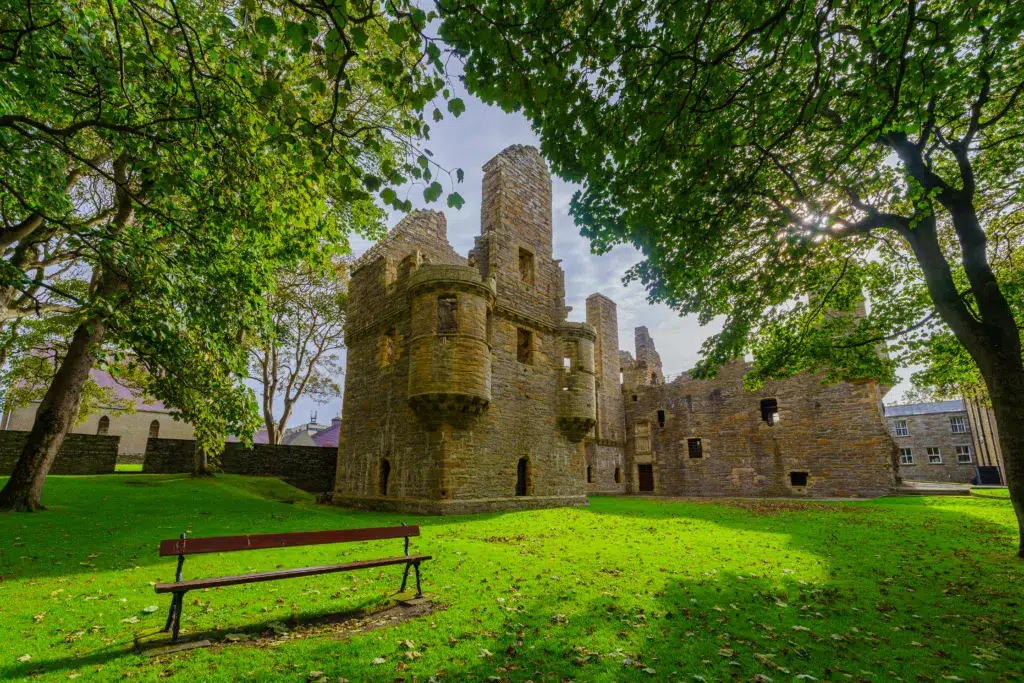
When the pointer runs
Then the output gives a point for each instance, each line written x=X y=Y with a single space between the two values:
x=309 y=468
x=79 y=454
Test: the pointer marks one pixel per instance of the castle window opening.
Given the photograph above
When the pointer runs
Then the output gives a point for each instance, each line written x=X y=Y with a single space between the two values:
x=695 y=448
x=770 y=410
x=963 y=454
x=661 y=418
x=634 y=397
x=154 y=429
x=654 y=378
x=389 y=348
x=798 y=478
x=689 y=402
x=524 y=346
x=957 y=425
x=447 y=314
x=590 y=474
x=490 y=324
x=385 y=474
x=618 y=475
x=906 y=456
x=525 y=266
x=521 y=473
x=570 y=355
x=621 y=377
x=934 y=456
x=103 y=426
x=900 y=428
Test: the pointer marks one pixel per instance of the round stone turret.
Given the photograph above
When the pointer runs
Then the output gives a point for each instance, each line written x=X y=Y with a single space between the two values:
x=449 y=350
x=576 y=408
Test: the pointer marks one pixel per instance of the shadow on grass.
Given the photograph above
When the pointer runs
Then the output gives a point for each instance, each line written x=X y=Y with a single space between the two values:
x=369 y=616
x=712 y=600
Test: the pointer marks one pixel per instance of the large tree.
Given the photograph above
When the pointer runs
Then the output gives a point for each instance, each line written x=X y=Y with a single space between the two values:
x=772 y=160
x=299 y=356
x=176 y=154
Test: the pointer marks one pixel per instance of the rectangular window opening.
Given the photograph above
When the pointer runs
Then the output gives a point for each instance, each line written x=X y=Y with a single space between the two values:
x=906 y=456
x=695 y=448
x=447 y=314
x=525 y=266
x=524 y=346
x=963 y=454
x=900 y=428
x=661 y=418
x=957 y=425
x=934 y=456
x=798 y=478
x=770 y=410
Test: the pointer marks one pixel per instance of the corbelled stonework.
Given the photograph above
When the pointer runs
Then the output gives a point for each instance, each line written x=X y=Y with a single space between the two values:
x=467 y=389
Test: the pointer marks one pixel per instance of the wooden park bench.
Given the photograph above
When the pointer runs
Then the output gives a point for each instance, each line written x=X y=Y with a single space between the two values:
x=217 y=544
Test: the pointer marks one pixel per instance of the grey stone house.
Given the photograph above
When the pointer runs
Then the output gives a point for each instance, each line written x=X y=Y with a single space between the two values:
x=935 y=440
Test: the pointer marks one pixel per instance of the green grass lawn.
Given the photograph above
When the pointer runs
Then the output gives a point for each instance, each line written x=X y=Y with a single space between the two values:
x=914 y=589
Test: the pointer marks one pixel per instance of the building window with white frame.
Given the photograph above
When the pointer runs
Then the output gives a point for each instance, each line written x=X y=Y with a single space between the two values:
x=934 y=457
x=957 y=424
x=900 y=428
x=906 y=456
x=963 y=454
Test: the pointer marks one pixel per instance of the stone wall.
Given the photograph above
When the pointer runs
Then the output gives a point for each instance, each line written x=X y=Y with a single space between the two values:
x=835 y=435
x=934 y=430
x=79 y=454
x=309 y=468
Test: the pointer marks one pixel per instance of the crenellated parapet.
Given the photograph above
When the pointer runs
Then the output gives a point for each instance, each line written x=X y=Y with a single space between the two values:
x=449 y=347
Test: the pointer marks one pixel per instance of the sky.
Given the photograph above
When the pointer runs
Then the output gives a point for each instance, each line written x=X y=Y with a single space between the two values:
x=468 y=142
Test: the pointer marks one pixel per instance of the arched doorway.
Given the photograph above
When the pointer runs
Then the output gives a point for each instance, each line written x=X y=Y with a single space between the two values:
x=104 y=426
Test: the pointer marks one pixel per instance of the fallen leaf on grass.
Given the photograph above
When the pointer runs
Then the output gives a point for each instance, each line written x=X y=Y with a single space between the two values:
x=25 y=658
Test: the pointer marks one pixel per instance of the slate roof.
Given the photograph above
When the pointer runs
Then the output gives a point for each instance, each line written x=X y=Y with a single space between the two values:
x=926 y=408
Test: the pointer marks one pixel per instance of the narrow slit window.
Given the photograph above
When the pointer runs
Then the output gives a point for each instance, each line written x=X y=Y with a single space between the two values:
x=524 y=346
x=525 y=266
x=618 y=475
x=770 y=410
x=447 y=314
x=695 y=448
x=385 y=475
x=590 y=474
x=661 y=418
x=570 y=354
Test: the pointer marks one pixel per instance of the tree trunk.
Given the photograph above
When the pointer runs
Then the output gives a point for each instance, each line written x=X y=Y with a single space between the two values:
x=201 y=463
x=54 y=419
x=1006 y=389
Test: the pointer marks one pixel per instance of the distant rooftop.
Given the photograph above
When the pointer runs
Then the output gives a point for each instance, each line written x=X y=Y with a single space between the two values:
x=925 y=408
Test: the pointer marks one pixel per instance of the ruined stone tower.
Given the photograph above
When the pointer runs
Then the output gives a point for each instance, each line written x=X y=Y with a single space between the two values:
x=466 y=389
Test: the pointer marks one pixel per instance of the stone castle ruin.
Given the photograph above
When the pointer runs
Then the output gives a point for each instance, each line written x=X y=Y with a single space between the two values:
x=468 y=390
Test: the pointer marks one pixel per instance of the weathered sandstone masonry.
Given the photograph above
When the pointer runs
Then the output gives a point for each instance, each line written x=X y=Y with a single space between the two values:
x=468 y=389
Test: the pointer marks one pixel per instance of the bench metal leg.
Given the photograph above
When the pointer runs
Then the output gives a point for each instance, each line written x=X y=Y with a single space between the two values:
x=405 y=577
x=174 y=616
x=419 y=591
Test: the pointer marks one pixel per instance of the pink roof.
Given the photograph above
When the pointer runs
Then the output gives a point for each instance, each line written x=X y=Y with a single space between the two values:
x=328 y=438
x=142 y=402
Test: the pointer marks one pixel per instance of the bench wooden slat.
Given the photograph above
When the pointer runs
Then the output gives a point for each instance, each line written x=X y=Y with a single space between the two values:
x=219 y=544
x=215 y=582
